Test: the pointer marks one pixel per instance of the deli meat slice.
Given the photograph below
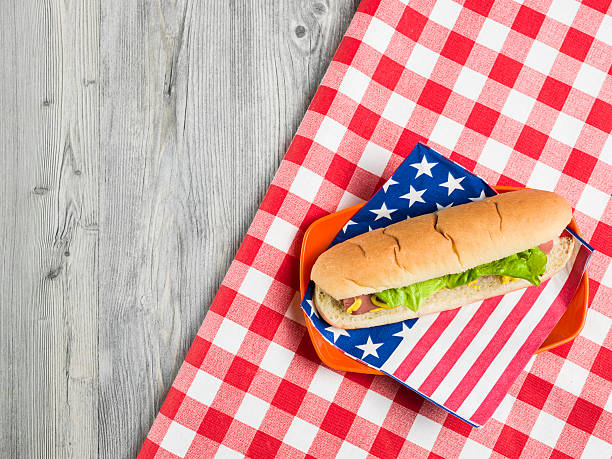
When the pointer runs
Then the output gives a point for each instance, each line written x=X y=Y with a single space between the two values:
x=366 y=304
x=546 y=247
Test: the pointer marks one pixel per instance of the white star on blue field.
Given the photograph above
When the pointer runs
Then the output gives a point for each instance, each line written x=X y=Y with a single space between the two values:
x=423 y=167
x=413 y=196
x=425 y=182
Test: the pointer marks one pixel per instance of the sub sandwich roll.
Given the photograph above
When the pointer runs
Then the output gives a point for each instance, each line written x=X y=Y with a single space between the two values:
x=443 y=260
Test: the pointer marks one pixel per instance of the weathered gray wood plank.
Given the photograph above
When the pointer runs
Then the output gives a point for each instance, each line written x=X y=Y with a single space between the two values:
x=48 y=228
x=138 y=139
x=199 y=103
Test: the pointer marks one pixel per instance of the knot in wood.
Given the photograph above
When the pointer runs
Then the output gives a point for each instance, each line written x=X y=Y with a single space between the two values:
x=319 y=8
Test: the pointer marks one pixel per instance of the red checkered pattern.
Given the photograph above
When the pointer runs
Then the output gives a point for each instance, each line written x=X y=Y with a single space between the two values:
x=518 y=93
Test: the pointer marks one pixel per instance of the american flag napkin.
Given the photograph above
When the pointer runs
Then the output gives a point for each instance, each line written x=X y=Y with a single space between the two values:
x=466 y=359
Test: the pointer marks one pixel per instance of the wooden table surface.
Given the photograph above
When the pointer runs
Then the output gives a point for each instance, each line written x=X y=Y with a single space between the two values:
x=137 y=141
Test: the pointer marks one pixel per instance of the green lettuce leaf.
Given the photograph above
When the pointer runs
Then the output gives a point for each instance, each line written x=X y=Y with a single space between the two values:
x=529 y=265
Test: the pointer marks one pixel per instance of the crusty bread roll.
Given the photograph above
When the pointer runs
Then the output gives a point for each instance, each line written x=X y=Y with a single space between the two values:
x=446 y=242
x=332 y=310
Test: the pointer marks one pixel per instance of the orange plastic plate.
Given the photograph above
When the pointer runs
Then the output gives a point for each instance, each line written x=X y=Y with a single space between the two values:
x=322 y=232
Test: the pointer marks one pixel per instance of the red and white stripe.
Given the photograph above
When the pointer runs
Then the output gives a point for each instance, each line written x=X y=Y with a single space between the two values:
x=464 y=358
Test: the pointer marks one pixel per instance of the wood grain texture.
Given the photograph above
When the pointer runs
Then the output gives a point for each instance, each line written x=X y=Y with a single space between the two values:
x=48 y=229
x=138 y=141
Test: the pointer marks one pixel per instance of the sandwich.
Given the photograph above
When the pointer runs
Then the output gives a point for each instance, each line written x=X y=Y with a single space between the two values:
x=443 y=260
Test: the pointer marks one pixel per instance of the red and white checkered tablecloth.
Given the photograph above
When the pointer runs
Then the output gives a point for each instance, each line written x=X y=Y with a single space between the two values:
x=521 y=94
